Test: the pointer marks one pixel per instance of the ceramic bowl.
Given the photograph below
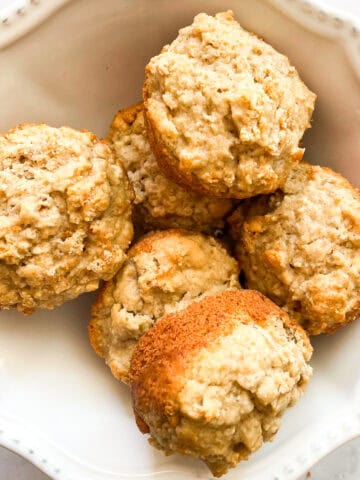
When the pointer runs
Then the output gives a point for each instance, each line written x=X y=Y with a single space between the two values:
x=76 y=63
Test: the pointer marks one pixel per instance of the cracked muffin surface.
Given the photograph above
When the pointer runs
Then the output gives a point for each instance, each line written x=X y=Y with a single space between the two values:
x=65 y=215
x=165 y=271
x=212 y=380
x=225 y=111
x=159 y=202
x=301 y=247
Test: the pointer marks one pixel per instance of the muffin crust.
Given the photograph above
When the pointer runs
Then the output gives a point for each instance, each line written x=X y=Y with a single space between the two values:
x=301 y=247
x=159 y=202
x=213 y=380
x=225 y=111
x=65 y=215
x=165 y=271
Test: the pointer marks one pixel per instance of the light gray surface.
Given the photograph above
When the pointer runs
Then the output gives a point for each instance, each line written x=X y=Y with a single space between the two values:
x=343 y=464
x=13 y=467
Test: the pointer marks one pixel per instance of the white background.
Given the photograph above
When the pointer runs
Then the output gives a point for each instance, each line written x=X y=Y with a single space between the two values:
x=343 y=464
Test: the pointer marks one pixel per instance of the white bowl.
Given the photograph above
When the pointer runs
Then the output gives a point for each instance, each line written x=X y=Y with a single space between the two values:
x=59 y=405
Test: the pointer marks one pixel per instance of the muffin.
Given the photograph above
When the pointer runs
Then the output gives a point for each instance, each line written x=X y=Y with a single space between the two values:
x=159 y=202
x=165 y=271
x=65 y=215
x=212 y=381
x=225 y=111
x=301 y=247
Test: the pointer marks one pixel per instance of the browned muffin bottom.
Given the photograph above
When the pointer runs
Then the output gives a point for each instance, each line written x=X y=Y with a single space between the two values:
x=212 y=380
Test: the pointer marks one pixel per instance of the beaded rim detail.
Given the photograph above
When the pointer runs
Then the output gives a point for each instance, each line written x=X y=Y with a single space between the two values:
x=25 y=15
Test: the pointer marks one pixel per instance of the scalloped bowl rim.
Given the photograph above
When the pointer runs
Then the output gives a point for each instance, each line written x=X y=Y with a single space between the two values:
x=314 y=15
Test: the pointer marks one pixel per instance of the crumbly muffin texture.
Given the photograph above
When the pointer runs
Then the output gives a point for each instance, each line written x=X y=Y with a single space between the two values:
x=165 y=271
x=65 y=216
x=159 y=202
x=225 y=111
x=213 y=380
x=301 y=247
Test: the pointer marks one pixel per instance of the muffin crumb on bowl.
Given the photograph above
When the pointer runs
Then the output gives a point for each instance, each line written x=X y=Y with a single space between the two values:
x=212 y=380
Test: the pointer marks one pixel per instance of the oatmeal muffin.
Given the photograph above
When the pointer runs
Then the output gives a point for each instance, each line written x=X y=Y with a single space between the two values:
x=301 y=247
x=224 y=110
x=165 y=271
x=213 y=380
x=65 y=215
x=159 y=202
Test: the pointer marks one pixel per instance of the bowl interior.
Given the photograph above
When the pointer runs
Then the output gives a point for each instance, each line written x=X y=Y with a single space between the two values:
x=78 y=68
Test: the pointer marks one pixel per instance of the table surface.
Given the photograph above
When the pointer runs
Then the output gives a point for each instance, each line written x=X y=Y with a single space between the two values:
x=342 y=464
